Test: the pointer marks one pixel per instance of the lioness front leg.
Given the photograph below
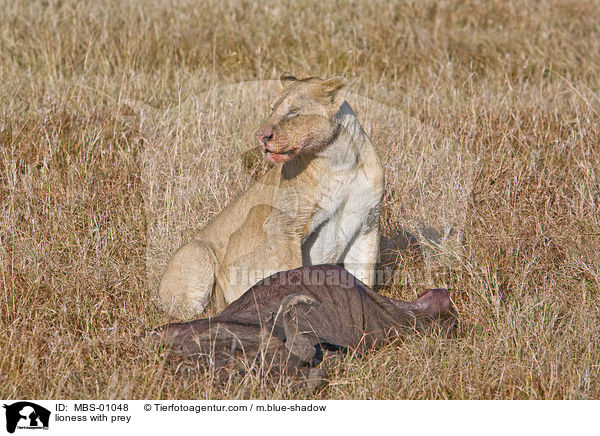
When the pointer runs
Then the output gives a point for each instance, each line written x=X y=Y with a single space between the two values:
x=188 y=282
x=361 y=257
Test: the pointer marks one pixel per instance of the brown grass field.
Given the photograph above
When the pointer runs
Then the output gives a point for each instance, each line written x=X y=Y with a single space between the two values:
x=485 y=115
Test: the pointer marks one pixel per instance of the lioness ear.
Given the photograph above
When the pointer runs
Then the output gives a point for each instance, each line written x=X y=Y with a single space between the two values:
x=333 y=91
x=285 y=79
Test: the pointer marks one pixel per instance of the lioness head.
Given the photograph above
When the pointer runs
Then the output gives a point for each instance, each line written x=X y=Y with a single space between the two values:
x=302 y=118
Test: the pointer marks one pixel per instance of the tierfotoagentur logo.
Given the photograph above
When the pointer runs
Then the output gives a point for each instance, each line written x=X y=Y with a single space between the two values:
x=26 y=415
x=249 y=277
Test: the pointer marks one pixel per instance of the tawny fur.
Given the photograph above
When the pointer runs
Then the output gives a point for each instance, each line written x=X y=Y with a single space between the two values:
x=319 y=204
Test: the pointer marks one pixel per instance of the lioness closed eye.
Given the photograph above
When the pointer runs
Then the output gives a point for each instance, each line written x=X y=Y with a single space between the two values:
x=319 y=204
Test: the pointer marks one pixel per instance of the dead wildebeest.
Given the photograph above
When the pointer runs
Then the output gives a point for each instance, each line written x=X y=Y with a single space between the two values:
x=290 y=319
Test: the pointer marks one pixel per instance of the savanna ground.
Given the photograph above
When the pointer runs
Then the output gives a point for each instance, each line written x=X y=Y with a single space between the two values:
x=486 y=119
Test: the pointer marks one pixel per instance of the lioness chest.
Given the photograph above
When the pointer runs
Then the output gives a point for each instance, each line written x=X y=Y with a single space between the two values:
x=342 y=207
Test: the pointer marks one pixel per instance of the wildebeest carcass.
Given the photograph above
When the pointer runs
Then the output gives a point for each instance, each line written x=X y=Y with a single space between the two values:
x=291 y=318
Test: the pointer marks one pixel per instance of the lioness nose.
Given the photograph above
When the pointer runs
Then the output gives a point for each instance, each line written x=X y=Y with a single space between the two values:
x=265 y=137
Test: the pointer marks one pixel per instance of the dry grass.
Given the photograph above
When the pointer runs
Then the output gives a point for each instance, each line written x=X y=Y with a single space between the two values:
x=485 y=114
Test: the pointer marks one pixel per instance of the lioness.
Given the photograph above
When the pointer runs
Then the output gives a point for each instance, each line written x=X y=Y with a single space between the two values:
x=319 y=204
